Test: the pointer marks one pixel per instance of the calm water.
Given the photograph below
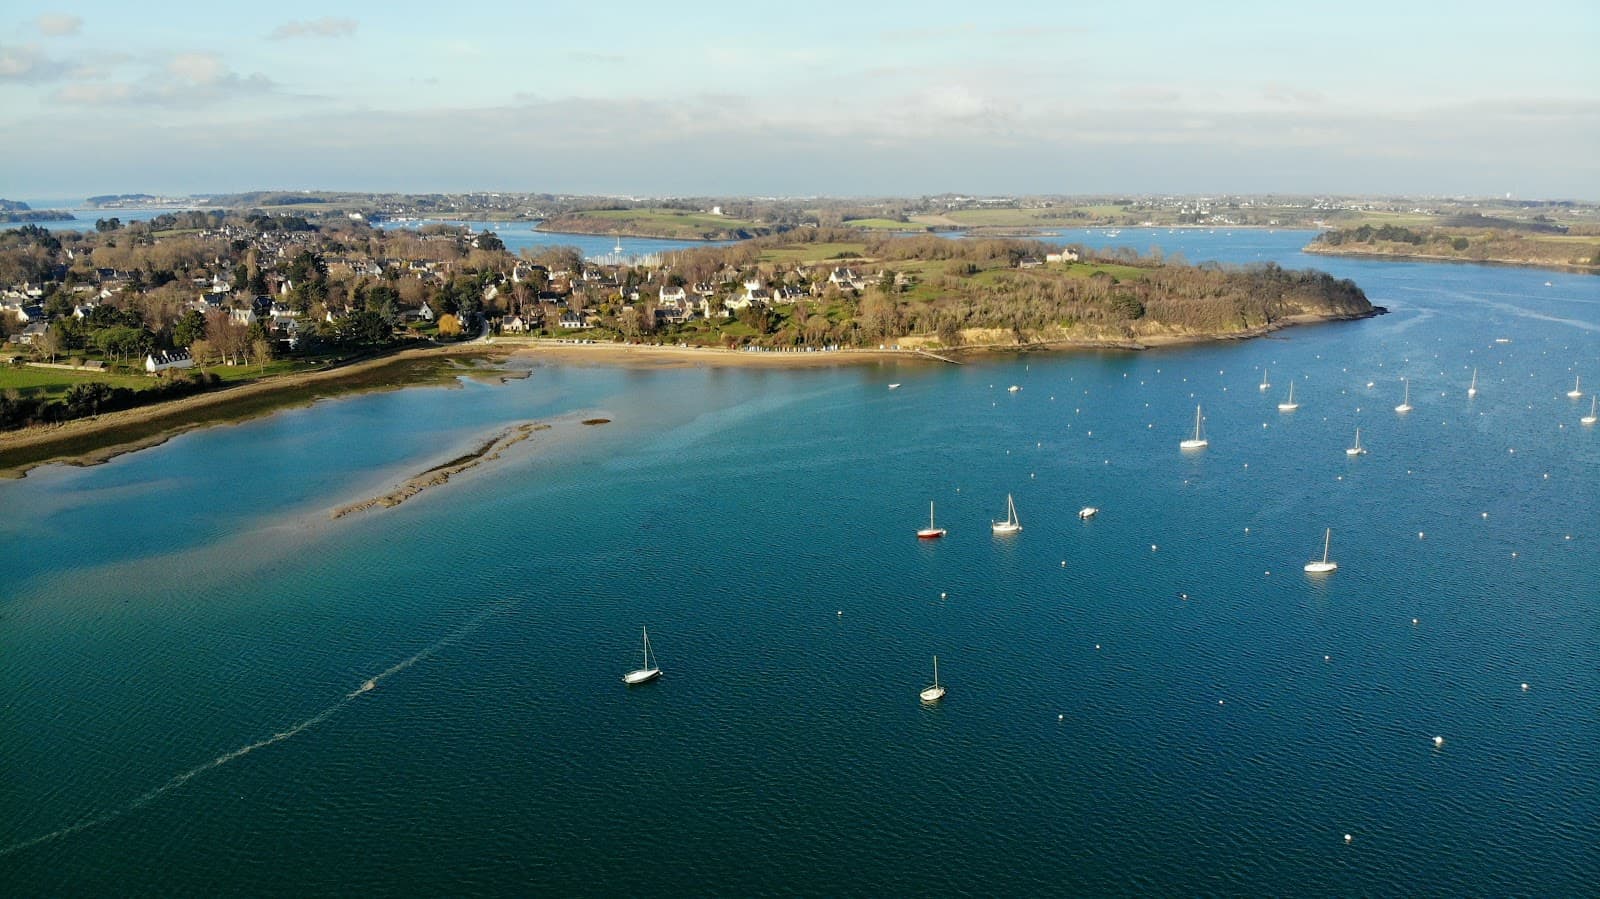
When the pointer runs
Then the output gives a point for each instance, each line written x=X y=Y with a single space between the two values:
x=522 y=235
x=1158 y=701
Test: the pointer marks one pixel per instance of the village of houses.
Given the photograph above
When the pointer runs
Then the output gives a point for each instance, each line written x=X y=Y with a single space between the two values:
x=366 y=286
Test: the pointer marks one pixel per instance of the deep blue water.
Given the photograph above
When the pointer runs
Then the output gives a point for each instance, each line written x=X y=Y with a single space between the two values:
x=1176 y=709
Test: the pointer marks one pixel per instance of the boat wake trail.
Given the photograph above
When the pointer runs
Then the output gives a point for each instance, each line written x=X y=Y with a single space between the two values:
x=298 y=728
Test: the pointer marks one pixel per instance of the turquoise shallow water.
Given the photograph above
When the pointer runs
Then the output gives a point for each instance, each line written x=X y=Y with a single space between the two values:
x=1176 y=709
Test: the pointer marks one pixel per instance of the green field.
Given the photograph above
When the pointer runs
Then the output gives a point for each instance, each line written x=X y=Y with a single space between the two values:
x=54 y=382
x=884 y=225
x=814 y=252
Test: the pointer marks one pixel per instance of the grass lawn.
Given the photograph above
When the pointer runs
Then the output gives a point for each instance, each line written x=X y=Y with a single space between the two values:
x=55 y=382
x=235 y=373
x=814 y=252
x=884 y=225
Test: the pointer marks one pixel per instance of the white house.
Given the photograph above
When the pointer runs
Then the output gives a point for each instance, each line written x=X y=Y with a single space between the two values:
x=514 y=325
x=162 y=361
x=673 y=296
x=847 y=279
x=575 y=320
x=1067 y=254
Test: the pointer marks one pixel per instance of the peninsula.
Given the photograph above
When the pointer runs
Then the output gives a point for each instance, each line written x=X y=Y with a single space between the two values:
x=1470 y=239
x=131 y=332
x=670 y=224
x=16 y=211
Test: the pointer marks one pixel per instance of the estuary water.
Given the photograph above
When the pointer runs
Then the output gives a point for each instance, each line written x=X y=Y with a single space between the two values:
x=206 y=686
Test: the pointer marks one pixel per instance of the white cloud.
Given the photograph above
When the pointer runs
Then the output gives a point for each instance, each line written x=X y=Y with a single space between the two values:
x=57 y=24
x=185 y=79
x=327 y=26
x=26 y=64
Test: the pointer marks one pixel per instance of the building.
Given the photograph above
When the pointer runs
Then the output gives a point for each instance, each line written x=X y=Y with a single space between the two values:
x=162 y=361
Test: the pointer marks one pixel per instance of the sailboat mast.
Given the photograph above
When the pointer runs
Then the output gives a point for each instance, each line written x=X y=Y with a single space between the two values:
x=936 y=671
x=1326 y=539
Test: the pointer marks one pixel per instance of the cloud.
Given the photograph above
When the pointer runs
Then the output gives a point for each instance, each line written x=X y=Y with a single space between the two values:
x=26 y=64
x=56 y=24
x=1278 y=92
x=327 y=26
x=186 y=79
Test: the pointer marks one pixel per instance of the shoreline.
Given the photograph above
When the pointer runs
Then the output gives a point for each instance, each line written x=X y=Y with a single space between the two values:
x=1313 y=250
x=91 y=441
x=153 y=425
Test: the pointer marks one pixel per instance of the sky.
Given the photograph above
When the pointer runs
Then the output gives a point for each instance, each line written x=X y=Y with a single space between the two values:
x=802 y=99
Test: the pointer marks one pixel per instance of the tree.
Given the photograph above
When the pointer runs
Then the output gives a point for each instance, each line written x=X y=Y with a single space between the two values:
x=630 y=322
x=816 y=329
x=191 y=327
x=261 y=348
x=202 y=351
x=449 y=326
x=51 y=342
x=86 y=399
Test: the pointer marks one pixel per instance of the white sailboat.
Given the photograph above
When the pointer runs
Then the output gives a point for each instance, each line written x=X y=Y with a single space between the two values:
x=1591 y=418
x=1088 y=512
x=1198 y=441
x=1472 y=389
x=1289 y=405
x=1324 y=566
x=1010 y=525
x=934 y=691
x=932 y=531
x=1264 y=382
x=1577 y=387
x=649 y=672
x=1405 y=402
x=1358 y=449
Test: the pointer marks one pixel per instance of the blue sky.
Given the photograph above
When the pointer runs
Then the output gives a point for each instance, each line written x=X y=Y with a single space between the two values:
x=800 y=99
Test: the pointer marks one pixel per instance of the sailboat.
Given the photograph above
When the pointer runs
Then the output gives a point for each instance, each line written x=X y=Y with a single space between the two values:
x=1010 y=525
x=932 y=531
x=1289 y=405
x=649 y=672
x=1405 y=402
x=1324 y=566
x=1198 y=441
x=934 y=691
x=1264 y=382
x=1358 y=449
x=1591 y=418
x=1472 y=390
x=1577 y=387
